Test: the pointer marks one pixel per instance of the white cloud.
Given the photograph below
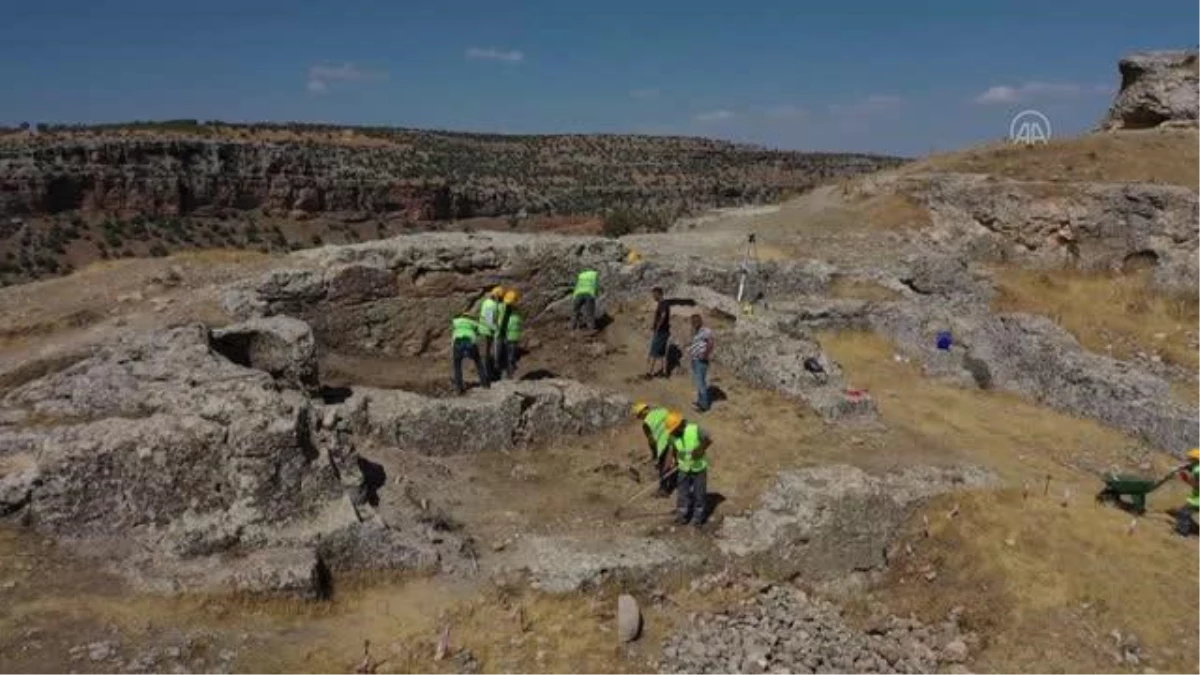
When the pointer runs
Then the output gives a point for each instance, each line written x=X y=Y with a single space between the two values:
x=715 y=116
x=875 y=104
x=645 y=94
x=321 y=75
x=493 y=54
x=1031 y=91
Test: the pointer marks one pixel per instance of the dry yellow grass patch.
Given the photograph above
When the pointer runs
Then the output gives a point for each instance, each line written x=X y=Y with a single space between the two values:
x=1121 y=310
x=895 y=211
x=1043 y=584
x=1169 y=156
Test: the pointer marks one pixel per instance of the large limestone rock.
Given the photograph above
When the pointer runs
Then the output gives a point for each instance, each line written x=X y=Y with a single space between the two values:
x=508 y=415
x=825 y=522
x=1095 y=226
x=164 y=452
x=279 y=345
x=397 y=296
x=1156 y=88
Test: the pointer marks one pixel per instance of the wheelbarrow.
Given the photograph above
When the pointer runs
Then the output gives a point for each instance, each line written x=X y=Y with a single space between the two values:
x=1128 y=491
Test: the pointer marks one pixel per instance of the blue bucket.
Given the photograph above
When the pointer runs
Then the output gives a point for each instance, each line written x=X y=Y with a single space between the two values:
x=944 y=340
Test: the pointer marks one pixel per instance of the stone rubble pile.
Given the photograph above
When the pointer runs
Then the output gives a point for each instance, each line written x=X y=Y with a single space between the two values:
x=785 y=630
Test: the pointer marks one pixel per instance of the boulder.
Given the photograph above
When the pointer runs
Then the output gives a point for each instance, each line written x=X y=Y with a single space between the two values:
x=629 y=618
x=279 y=345
x=1157 y=87
x=825 y=522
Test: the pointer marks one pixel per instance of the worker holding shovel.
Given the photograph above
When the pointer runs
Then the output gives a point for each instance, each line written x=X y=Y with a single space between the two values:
x=1185 y=517
x=691 y=459
x=654 y=426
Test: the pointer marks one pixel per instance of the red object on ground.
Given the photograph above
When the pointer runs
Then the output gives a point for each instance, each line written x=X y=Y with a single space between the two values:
x=855 y=393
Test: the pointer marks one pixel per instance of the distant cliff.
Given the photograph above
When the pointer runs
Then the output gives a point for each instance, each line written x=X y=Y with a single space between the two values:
x=425 y=176
x=70 y=196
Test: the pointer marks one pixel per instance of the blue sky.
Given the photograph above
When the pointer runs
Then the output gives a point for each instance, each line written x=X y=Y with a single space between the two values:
x=865 y=75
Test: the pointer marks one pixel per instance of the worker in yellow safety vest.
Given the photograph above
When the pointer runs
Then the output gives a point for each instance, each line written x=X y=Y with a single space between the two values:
x=587 y=285
x=489 y=322
x=1185 y=517
x=509 y=333
x=464 y=334
x=691 y=457
x=654 y=426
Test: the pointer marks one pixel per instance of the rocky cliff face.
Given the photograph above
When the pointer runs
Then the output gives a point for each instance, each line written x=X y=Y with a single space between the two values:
x=1156 y=88
x=425 y=176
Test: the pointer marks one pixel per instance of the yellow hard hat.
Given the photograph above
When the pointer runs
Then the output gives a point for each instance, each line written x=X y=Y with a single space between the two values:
x=1194 y=454
x=498 y=292
x=674 y=419
x=640 y=407
x=511 y=297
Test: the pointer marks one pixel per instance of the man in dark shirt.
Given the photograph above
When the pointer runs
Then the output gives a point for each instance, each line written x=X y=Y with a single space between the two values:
x=660 y=335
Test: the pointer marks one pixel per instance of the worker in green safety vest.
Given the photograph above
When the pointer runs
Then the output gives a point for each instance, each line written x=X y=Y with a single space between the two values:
x=464 y=334
x=489 y=322
x=654 y=426
x=1185 y=517
x=587 y=285
x=511 y=325
x=691 y=448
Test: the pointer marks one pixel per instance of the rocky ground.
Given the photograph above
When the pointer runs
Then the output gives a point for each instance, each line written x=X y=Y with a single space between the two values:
x=194 y=450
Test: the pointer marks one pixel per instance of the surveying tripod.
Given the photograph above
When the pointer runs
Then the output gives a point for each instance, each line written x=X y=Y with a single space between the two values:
x=749 y=266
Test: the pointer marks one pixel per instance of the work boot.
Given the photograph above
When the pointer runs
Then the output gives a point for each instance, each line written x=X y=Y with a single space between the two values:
x=682 y=519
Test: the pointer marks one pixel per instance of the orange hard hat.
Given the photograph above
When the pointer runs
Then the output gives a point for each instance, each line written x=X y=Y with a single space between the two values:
x=511 y=297
x=674 y=419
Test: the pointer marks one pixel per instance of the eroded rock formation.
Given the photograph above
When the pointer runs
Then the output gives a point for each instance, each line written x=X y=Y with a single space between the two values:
x=1157 y=88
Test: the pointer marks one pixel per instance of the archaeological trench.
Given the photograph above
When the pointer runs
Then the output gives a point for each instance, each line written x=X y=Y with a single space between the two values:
x=217 y=459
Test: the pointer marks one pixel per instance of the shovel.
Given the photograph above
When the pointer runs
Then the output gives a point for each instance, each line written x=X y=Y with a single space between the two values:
x=642 y=493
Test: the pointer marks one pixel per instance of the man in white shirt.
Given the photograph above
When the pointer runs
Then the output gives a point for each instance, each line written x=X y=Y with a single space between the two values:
x=700 y=351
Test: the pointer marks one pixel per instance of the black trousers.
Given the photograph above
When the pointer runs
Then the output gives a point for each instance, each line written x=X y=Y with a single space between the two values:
x=693 y=496
x=465 y=349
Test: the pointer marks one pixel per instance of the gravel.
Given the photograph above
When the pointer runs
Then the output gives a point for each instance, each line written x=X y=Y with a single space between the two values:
x=783 y=629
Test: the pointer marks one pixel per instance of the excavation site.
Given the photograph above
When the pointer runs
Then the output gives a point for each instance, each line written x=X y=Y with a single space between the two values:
x=952 y=404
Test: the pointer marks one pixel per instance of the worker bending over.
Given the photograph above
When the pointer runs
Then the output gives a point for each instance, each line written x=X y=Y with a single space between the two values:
x=587 y=285
x=464 y=332
x=509 y=334
x=691 y=447
x=489 y=321
x=1185 y=517
x=654 y=425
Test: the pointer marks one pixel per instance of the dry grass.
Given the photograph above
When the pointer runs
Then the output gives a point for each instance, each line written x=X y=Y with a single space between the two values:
x=1121 y=310
x=1168 y=156
x=895 y=211
x=1047 y=602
